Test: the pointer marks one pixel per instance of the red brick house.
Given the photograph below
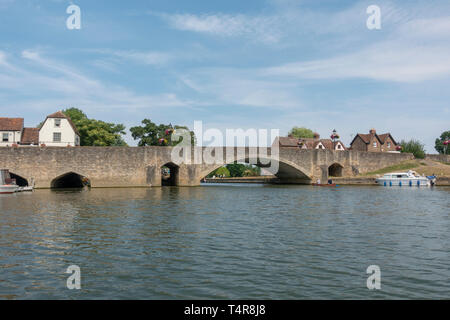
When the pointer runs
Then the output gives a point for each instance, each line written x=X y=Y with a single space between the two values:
x=373 y=142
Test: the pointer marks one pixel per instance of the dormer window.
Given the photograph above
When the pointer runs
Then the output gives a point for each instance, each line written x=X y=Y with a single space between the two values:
x=57 y=123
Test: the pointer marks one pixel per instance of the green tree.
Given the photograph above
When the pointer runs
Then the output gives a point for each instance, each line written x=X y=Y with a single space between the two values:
x=96 y=132
x=151 y=134
x=243 y=170
x=236 y=169
x=415 y=147
x=252 y=171
x=302 y=132
x=219 y=172
x=439 y=144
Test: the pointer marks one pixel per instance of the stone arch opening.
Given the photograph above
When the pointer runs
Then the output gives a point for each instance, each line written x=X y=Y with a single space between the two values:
x=169 y=174
x=20 y=181
x=335 y=170
x=285 y=173
x=70 y=180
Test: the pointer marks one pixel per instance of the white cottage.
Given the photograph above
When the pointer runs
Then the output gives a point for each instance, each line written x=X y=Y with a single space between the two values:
x=58 y=130
x=10 y=131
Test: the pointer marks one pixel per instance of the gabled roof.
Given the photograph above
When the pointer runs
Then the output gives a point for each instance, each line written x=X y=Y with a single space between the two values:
x=365 y=137
x=61 y=115
x=384 y=136
x=11 y=124
x=30 y=135
x=327 y=143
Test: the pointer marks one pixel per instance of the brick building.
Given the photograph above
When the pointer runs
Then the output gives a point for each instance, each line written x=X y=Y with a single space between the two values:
x=373 y=142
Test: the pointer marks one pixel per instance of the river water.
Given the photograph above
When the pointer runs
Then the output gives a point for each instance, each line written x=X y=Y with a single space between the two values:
x=226 y=242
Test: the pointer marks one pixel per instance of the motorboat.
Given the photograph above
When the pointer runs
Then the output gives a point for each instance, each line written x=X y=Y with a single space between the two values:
x=410 y=178
x=7 y=185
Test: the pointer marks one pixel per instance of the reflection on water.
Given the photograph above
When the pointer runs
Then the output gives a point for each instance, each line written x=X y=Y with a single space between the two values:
x=226 y=242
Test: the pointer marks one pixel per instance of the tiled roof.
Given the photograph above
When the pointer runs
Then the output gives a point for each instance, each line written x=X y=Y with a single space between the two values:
x=58 y=114
x=366 y=137
x=327 y=143
x=384 y=136
x=11 y=124
x=287 y=142
x=61 y=115
x=30 y=135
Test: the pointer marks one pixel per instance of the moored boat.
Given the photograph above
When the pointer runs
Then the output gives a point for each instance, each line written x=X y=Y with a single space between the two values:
x=7 y=185
x=410 y=178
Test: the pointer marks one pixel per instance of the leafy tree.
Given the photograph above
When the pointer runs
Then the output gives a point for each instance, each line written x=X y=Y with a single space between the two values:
x=243 y=170
x=219 y=172
x=439 y=144
x=302 y=132
x=415 y=147
x=151 y=134
x=96 y=132
x=236 y=169
x=252 y=171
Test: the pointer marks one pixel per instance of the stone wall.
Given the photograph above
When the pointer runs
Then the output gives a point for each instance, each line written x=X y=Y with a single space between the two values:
x=439 y=157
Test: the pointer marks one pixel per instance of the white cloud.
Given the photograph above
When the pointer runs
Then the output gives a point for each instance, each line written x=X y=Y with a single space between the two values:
x=67 y=86
x=262 y=28
x=413 y=52
x=234 y=87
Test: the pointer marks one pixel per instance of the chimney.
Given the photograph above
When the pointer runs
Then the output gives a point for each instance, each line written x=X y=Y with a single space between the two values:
x=373 y=131
x=316 y=136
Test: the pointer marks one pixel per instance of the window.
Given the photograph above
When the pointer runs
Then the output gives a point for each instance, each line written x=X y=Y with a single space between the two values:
x=57 y=123
x=375 y=144
x=56 y=136
x=388 y=144
x=5 y=137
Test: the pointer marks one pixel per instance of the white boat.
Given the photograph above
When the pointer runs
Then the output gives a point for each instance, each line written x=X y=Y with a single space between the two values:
x=407 y=179
x=7 y=185
x=24 y=189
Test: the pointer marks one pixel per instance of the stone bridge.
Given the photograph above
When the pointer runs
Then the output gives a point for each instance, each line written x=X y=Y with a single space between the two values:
x=52 y=167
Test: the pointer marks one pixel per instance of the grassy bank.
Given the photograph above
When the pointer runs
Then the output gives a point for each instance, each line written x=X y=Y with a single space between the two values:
x=423 y=166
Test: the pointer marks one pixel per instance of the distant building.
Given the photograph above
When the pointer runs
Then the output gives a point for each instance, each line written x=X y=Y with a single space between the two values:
x=309 y=143
x=12 y=132
x=374 y=142
x=58 y=130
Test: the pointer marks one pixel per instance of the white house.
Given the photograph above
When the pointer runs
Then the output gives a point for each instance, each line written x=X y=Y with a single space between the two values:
x=10 y=131
x=58 y=130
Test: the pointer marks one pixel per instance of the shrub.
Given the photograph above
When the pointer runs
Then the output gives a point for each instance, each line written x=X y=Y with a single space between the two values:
x=415 y=147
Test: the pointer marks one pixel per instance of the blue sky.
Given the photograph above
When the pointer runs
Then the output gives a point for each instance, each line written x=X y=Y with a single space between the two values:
x=232 y=64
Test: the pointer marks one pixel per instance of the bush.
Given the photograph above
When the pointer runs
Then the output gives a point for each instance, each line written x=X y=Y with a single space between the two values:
x=415 y=147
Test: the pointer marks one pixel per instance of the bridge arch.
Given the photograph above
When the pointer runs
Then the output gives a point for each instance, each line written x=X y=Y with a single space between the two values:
x=20 y=180
x=69 y=180
x=287 y=171
x=170 y=174
x=335 y=170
